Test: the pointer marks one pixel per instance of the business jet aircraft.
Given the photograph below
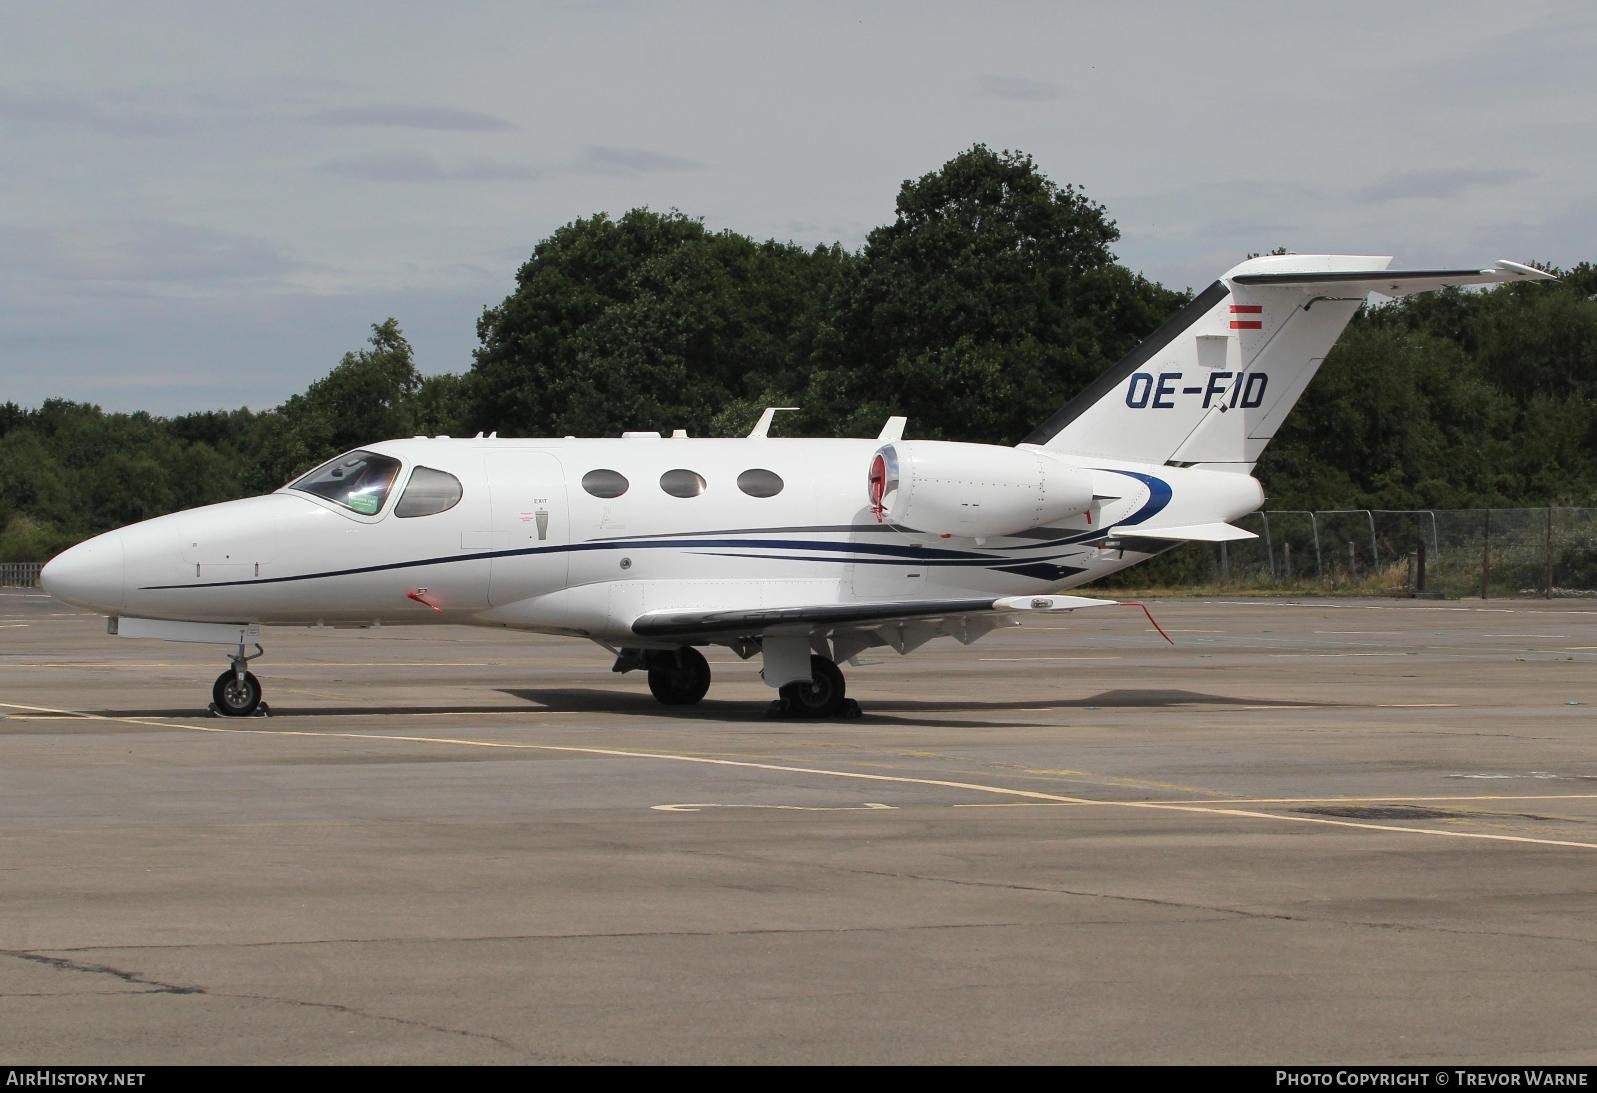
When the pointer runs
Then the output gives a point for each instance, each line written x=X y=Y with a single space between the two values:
x=803 y=552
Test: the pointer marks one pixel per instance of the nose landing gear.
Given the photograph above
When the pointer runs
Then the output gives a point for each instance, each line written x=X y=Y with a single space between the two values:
x=237 y=693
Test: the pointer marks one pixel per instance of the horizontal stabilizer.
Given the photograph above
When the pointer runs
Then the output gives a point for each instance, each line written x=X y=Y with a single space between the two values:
x=1393 y=282
x=1199 y=533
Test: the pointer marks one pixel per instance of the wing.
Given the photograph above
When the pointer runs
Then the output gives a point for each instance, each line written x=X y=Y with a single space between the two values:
x=853 y=627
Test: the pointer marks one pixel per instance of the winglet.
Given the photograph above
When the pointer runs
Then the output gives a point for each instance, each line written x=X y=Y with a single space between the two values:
x=1523 y=270
x=893 y=430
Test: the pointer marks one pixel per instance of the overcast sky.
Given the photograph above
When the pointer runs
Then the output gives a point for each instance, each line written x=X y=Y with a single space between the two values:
x=205 y=205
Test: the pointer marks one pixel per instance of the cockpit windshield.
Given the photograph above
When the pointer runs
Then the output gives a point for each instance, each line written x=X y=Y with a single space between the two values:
x=359 y=481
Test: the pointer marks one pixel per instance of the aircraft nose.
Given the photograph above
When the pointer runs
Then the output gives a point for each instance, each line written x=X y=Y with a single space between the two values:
x=91 y=574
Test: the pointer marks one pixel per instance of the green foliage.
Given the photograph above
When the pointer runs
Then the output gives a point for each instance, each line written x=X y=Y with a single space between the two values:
x=991 y=299
x=24 y=538
x=371 y=395
x=992 y=293
x=1402 y=416
x=646 y=322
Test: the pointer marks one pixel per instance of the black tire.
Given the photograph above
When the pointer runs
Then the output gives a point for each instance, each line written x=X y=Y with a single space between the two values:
x=681 y=678
x=822 y=696
x=235 y=699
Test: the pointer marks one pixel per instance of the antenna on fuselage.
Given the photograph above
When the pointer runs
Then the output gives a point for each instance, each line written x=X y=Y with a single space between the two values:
x=762 y=428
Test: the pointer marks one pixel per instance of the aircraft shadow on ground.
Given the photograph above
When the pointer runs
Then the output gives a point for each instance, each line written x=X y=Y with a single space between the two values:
x=579 y=700
x=631 y=704
x=1126 y=698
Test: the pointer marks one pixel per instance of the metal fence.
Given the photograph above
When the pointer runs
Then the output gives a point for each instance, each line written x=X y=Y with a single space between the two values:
x=19 y=574
x=1454 y=552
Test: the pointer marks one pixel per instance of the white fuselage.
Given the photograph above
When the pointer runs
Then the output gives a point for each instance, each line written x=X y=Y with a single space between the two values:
x=528 y=546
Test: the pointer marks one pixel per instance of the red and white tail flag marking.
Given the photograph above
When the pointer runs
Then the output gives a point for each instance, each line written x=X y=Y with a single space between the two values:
x=1246 y=324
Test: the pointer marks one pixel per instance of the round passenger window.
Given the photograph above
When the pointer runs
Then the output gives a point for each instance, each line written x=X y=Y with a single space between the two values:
x=604 y=483
x=428 y=492
x=760 y=483
x=682 y=483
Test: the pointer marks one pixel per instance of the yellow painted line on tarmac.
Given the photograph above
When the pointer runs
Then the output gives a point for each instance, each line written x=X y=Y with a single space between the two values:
x=1380 y=800
x=971 y=787
x=277 y=664
x=1375 y=705
x=476 y=713
x=1112 y=780
x=1506 y=799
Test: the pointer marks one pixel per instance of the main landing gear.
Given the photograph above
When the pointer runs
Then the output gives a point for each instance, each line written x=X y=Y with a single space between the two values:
x=823 y=695
x=237 y=693
x=679 y=677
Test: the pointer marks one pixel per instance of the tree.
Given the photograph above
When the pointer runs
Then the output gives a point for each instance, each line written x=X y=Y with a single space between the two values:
x=369 y=396
x=649 y=321
x=989 y=301
x=1397 y=419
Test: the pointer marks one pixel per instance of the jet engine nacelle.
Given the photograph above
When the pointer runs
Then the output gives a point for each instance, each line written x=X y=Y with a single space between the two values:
x=976 y=491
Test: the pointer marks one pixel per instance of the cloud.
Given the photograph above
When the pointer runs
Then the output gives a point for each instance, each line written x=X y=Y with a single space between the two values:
x=421 y=167
x=403 y=116
x=143 y=255
x=418 y=167
x=619 y=160
x=1441 y=182
x=1019 y=88
x=76 y=112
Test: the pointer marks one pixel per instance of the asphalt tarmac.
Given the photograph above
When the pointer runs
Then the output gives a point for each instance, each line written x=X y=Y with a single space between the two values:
x=1334 y=831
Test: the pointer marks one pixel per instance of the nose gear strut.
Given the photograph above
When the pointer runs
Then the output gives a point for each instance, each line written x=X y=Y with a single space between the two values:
x=237 y=693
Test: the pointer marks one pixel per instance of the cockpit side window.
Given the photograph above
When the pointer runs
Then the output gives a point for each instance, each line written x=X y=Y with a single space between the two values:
x=359 y=481
x=428 y=492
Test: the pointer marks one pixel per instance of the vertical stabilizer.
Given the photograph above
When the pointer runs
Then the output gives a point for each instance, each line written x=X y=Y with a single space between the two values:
x=1214 y=383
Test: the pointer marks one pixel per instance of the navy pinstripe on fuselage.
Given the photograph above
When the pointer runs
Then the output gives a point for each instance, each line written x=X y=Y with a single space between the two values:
x=825 y=551
x=1028 y=559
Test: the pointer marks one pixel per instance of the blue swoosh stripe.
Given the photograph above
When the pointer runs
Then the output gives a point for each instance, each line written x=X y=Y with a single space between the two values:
x=966 y=563
x=1159 y=495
